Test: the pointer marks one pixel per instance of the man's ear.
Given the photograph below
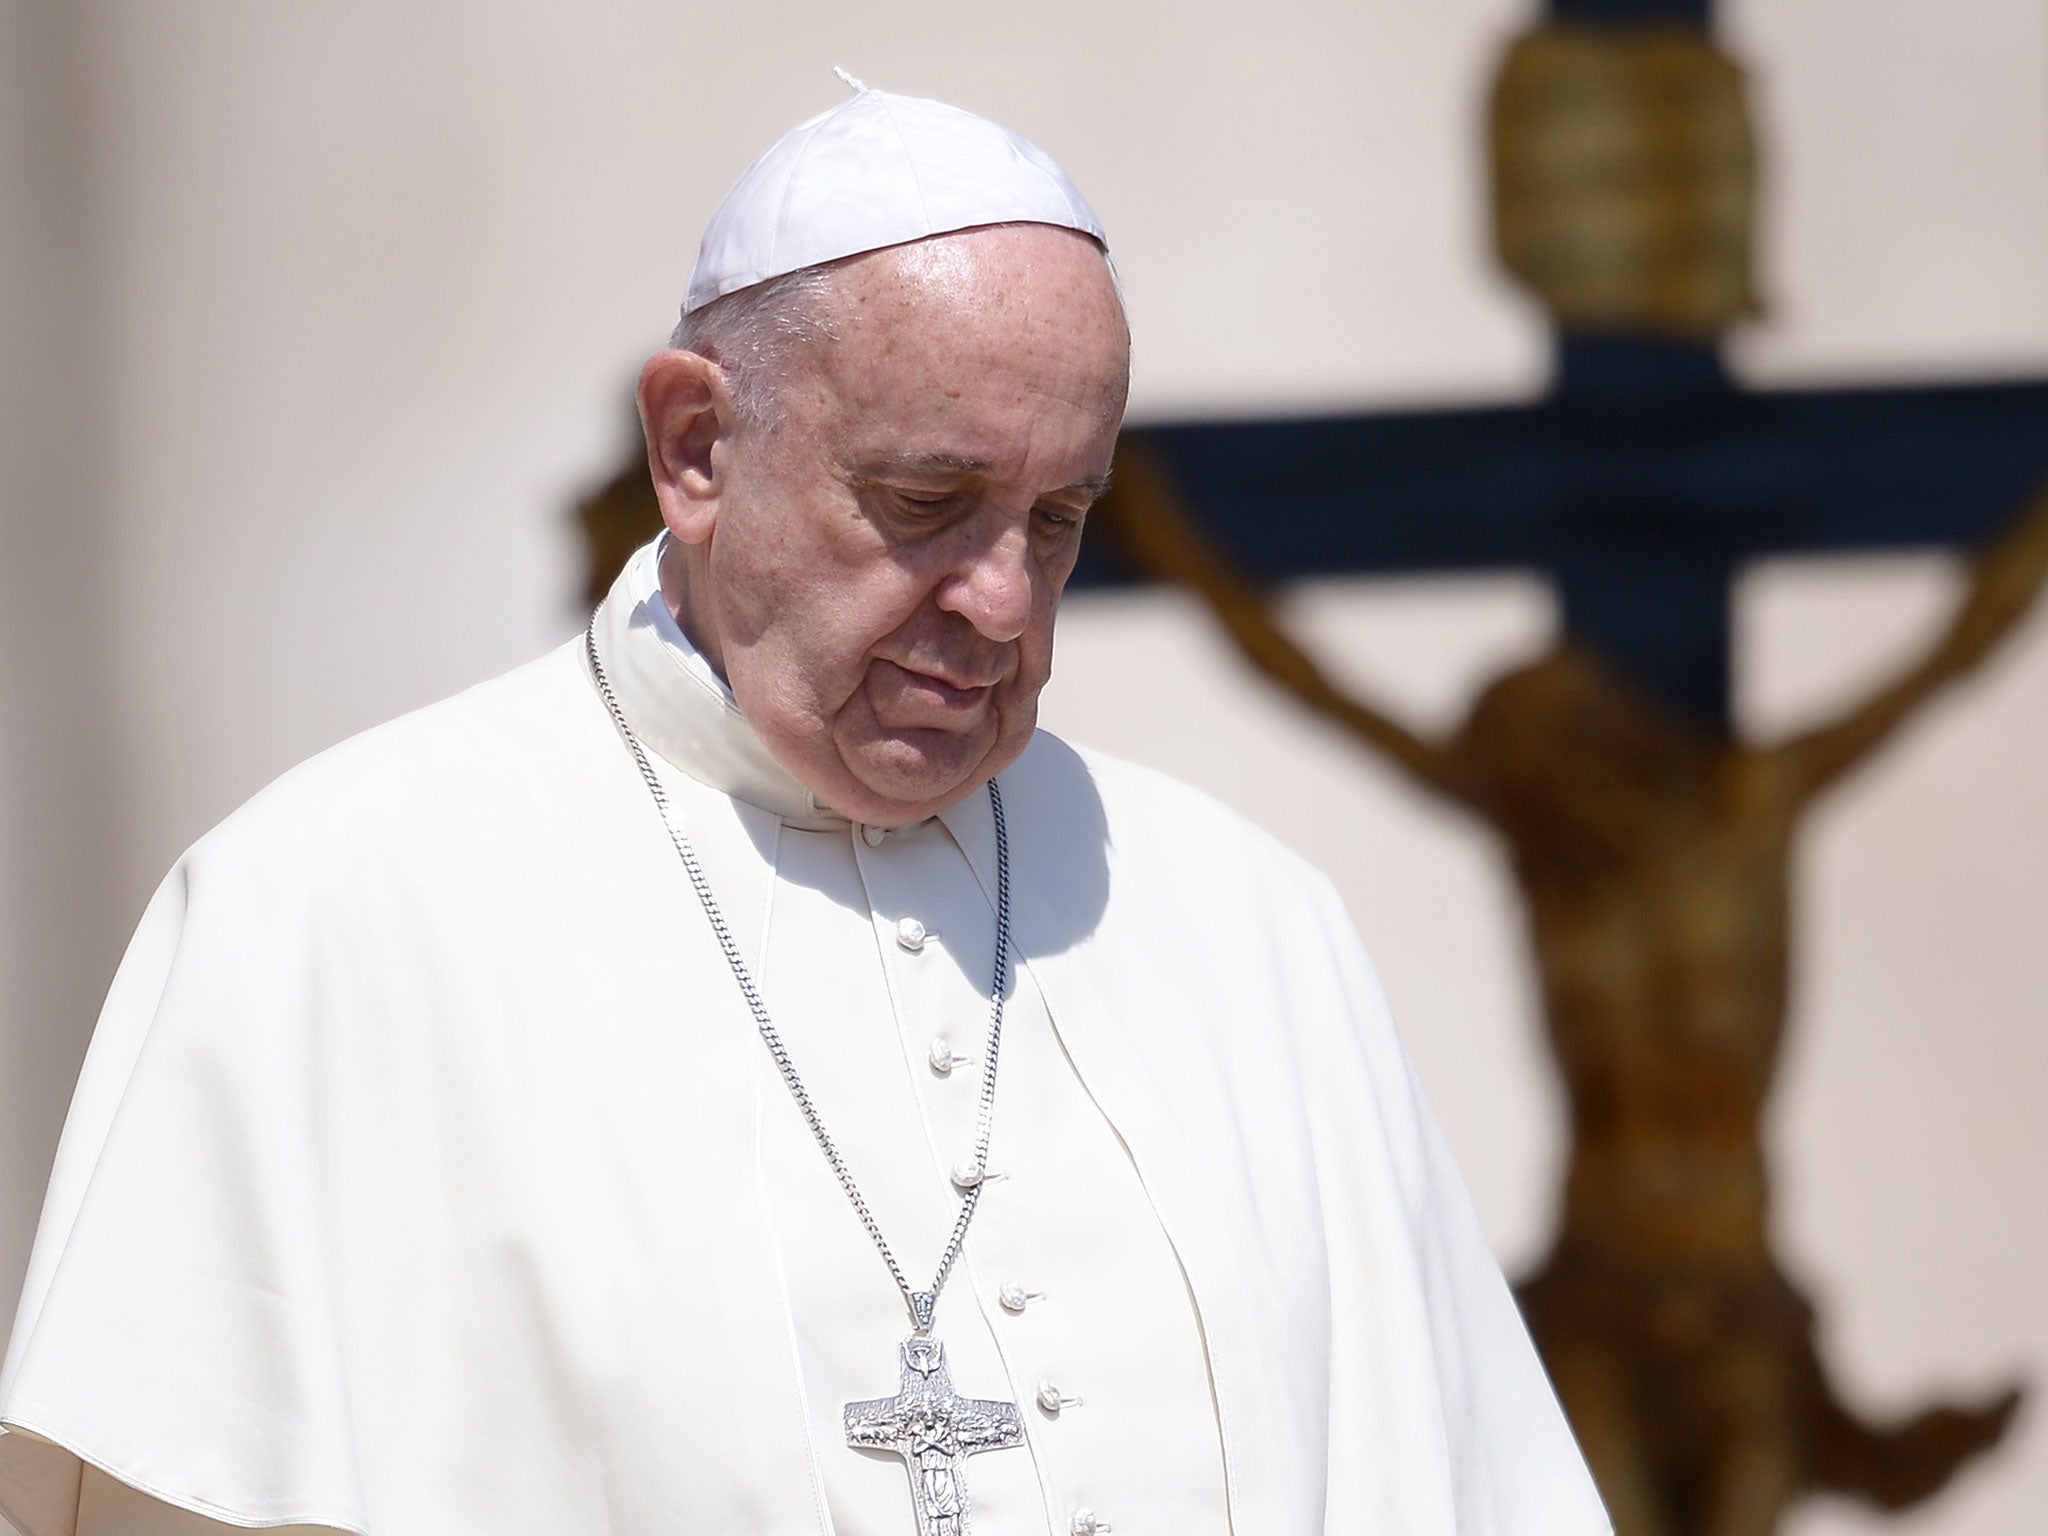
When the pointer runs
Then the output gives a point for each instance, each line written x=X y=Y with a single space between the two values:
x=686 y=412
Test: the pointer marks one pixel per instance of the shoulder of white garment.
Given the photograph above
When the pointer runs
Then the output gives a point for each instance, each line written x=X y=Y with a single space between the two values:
x=424 y=809
x=332 y=1031
x=495 y=753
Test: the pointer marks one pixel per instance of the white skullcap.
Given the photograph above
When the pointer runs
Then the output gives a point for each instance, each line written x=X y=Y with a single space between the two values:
x=875 y=171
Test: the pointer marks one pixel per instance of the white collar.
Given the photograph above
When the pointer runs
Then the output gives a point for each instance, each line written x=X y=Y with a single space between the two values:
x=680 y=707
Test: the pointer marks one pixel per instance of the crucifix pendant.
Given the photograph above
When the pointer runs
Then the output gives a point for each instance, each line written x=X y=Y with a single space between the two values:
x=934 y=1430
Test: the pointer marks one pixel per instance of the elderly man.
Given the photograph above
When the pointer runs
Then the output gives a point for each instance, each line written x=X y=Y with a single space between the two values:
x=734 y=1074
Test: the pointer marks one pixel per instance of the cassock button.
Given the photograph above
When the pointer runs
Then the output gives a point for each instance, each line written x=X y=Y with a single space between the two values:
x=873 y=836
x=943 y=1058
x=967 y=1173
x=1015 y=1298
x=911 y=934
x=1052 y=1399
x=1088 y=1523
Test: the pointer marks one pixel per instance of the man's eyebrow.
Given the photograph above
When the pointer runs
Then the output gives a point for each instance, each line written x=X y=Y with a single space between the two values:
x=936 y=463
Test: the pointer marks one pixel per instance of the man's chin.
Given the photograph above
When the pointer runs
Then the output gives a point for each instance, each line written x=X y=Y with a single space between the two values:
x=913 y=774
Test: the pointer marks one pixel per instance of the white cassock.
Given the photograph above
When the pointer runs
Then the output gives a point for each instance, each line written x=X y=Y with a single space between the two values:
x=427 y=1175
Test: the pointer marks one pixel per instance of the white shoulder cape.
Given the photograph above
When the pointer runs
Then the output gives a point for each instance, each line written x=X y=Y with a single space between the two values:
x=409 y=1189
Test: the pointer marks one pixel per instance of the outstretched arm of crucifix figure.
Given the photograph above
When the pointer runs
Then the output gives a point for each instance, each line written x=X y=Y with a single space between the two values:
x=1150 y=522
x=2006 y=578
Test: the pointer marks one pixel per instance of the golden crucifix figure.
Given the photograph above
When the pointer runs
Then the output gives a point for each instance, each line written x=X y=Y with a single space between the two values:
x=1654 y=860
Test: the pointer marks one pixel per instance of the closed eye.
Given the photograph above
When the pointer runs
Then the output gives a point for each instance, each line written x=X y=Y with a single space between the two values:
x=925 y=503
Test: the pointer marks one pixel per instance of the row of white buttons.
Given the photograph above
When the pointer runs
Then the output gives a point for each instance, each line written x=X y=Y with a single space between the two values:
x=912 y=936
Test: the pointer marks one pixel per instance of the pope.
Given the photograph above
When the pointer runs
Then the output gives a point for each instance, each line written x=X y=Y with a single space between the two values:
x=629 y=1096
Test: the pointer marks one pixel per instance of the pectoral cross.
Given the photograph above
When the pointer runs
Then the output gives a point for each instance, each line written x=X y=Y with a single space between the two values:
x=934 y=1430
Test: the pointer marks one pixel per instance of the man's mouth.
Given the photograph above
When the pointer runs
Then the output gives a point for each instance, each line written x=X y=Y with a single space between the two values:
x=941 y=693
x=961 y=694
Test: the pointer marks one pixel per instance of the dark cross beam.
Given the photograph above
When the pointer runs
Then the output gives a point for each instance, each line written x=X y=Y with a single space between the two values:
x=1640 y=484
x=1695 y=13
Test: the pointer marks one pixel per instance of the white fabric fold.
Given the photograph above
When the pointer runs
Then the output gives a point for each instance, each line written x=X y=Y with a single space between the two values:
x=680 y=708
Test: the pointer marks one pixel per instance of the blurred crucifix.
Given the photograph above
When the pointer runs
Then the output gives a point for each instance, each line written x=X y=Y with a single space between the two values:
x=1651 y=843
x=1653 y=854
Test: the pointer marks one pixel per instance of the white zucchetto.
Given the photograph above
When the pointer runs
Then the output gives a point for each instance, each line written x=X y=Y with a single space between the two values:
x=877 y=170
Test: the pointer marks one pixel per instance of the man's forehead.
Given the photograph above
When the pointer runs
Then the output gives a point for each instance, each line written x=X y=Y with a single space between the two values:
x=875 y=172
x=1010 y=366
x=968 y=276
x=974 y=303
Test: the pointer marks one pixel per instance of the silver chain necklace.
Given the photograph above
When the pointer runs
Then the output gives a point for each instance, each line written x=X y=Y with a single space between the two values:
x=927 y=1423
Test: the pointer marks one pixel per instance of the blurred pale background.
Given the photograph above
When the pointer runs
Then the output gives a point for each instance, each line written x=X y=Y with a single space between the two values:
x=319 y=316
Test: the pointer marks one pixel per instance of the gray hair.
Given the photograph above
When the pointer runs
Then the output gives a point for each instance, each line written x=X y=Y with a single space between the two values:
x=756 y=333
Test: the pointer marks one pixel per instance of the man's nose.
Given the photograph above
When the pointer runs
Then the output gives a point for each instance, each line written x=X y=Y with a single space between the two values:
x=993 y=585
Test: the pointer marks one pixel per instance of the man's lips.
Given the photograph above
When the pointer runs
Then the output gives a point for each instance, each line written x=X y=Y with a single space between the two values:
x=948 y=693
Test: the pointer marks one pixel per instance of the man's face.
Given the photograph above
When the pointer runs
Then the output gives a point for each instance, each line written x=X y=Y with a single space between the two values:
x=884 y=559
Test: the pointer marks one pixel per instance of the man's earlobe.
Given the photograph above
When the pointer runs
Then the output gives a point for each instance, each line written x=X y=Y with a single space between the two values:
x=685 y=410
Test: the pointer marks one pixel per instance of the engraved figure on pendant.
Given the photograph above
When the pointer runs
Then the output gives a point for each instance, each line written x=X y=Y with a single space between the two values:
x=934 y=1430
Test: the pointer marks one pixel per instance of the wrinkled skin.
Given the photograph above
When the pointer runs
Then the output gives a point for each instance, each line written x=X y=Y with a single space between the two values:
x=875 y=570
